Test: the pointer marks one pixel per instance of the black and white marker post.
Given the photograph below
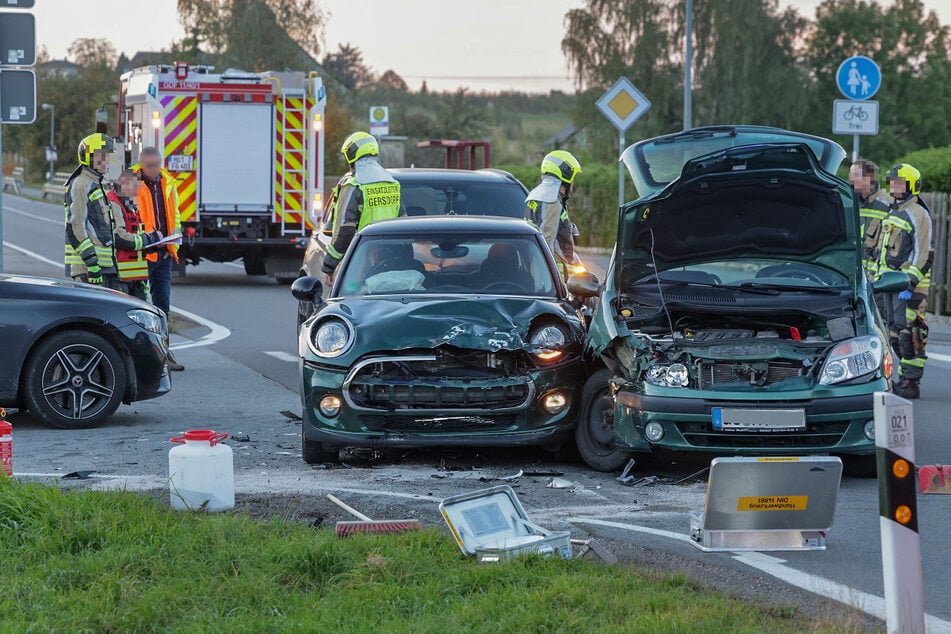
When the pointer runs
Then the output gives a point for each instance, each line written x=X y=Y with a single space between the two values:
x=898 y=511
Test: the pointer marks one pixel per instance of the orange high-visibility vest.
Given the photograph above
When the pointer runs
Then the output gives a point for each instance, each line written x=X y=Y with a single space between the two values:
x=147 y=211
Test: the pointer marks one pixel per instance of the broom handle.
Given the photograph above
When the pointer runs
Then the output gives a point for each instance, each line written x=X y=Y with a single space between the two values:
x=348 y=508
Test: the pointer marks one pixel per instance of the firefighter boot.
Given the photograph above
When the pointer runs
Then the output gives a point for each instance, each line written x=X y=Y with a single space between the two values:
x=908 y=388
x=174 y=365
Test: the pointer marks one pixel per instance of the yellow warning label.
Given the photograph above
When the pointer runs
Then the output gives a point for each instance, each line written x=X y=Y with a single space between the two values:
x=773 y=503
x=786 y=459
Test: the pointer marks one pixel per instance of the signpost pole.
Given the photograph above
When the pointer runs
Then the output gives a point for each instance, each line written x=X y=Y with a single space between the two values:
x=688 y=61
x=855 y=147
x=1 y=195
x=898 y=514
x=620 y=171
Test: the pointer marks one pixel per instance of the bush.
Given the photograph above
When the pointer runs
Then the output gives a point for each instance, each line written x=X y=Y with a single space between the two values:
x=934 y=165
x=593 y=204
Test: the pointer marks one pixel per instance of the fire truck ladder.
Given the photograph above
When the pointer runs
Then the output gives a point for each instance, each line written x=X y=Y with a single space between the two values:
x=294 y=179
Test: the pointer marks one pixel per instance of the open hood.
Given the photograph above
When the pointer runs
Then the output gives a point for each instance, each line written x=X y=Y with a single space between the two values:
x=655 y=163
x=766 y=201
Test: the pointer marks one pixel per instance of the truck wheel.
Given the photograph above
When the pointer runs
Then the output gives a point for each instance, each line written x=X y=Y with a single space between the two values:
x=314 y=452
x=594 y=434
x=254 y=265
x=74 y=379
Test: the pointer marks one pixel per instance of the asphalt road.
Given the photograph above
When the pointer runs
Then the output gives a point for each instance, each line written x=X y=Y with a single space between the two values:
x=240 y=383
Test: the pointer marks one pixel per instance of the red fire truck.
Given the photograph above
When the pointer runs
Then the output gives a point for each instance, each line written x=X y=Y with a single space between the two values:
x=246 y=151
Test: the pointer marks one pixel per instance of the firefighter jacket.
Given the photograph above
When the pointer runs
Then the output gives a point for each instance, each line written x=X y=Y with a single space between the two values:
x=130 y=238
x=147 y=210
x=906 y=243
x=369 y=195
x=872 y=212
x=547 y=209
x=89 y=239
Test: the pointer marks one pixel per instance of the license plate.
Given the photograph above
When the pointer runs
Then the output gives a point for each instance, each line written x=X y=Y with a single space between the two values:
x=740 y=419
x=181 y=163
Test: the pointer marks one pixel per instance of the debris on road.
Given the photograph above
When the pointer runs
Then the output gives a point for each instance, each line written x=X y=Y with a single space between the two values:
x=78 y=475
x=562 y=483
x=367 y=525
x=934 y=478
x=596 y=547
x=241 y=438
x=625 y=477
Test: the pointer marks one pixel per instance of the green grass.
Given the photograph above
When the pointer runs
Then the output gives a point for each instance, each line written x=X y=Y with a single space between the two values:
x=120 y=562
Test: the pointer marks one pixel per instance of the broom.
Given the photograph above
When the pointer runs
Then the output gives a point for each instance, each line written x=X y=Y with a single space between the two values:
x=367 y=525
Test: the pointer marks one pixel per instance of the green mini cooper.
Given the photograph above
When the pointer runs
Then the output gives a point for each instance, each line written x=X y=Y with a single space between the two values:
x=440 y=331
x=736 y=317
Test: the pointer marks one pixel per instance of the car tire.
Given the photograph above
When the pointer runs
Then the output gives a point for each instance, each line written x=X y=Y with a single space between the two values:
x=74 y=379
x=314 y=452
x=594 y=434
x=860 y=466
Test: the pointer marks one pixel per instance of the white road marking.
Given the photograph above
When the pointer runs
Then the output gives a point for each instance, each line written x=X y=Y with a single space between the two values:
x=58 y=223
x=935 y=356
x=35 y=256
x=868 y=603
x=280 y=355
x=234 y=264
x=217 y=331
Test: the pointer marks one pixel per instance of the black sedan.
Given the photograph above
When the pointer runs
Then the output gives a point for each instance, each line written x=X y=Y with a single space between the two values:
x=71 y=353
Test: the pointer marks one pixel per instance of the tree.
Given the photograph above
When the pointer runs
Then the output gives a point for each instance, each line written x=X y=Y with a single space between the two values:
x=460 y=117
x=93 y=51
x=391 y=81
x=348 y=67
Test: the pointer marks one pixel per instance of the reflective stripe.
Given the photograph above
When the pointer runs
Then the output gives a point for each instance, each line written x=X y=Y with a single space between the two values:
x=914 y=270
x=917 y=362
x=898 y=222
x=867 y=212
x=85 y=244
x=332 y=252
x=96 y=194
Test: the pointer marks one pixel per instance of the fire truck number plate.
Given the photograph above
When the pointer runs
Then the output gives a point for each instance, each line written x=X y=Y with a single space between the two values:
x=181 y=163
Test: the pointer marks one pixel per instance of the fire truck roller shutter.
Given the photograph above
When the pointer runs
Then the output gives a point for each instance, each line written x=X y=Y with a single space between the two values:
x=236 y=146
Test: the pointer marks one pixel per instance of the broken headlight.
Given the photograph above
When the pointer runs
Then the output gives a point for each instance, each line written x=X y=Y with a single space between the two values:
x=549 y=342
x=673 y=375
x=852 y=359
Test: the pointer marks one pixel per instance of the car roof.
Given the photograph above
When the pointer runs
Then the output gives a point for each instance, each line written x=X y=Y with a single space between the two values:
x=429 y=174
x=454 y=224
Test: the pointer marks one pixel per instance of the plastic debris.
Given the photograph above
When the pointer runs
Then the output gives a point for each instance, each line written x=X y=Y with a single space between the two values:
x=562 y=483
x=626 y=477
x=78 y=475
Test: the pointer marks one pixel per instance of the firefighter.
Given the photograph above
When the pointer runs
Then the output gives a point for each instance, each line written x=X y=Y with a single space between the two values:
x=366 y=195
x=157 y=200
x=547 y=206
x=89 y=241
x=906 y=245
x=864 y=177
x=130 y=237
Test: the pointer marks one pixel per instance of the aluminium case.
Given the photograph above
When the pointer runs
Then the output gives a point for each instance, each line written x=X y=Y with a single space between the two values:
x=492 y=525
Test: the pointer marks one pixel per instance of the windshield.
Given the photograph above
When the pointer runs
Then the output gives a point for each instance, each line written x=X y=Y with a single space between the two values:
x=440 y=196
x=655 y=163
x=435 y=264
x=777 y=274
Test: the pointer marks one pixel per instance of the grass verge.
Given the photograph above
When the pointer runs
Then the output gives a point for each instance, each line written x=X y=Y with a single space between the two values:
x=120 y=561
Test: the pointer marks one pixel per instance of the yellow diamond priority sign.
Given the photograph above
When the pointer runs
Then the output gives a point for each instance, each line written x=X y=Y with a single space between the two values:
x=623 y=104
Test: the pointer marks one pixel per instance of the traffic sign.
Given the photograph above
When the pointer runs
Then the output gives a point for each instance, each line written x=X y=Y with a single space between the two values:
x=858 y=77
x=17 y=96
x=17 y=39
x=854 y=117
x=623 y=104
x=379 y=120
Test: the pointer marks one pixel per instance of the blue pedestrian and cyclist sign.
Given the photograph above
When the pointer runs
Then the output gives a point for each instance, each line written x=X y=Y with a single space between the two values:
x=858 y=77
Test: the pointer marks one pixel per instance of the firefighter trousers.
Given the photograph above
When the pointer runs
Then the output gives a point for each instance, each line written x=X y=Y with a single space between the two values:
x=908 y=333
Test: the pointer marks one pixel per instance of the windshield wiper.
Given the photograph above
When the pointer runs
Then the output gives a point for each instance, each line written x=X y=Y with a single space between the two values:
x=789 y=287
x=750 y=289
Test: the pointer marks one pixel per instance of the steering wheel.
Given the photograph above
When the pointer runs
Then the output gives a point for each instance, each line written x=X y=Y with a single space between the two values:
x=506 y=286
x=799 y=273
x=380 y=267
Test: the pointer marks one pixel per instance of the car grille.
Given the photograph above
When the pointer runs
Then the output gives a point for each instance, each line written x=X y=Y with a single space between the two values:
x=776 y=371
x=703 y=435
x=448 y=423
x=470 y=381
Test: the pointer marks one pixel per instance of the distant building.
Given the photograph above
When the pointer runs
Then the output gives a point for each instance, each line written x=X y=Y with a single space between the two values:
x=61 y=67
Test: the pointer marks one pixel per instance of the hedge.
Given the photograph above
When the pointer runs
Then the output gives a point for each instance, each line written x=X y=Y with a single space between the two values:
x=593 y=205
x=934 y=165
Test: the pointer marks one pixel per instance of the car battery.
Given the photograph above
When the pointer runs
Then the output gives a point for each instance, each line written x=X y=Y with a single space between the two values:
x=491 y=525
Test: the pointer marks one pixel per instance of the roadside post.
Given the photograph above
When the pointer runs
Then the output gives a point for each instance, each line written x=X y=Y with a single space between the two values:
x=898 y=514
x=17 y=87
x=622 y=105
x=858 y=79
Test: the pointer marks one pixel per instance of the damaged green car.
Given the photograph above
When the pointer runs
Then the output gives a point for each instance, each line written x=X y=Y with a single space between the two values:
x=736 y=317
x=440 y=332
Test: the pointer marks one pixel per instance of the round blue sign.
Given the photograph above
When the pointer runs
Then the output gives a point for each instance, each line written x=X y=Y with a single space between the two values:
x=858 y=78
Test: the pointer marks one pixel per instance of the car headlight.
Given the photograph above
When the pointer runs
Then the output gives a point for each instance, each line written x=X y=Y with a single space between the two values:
x=331 y=337
x=674 y=375
x=147 y=320
x=549 y=342
x=852 y=359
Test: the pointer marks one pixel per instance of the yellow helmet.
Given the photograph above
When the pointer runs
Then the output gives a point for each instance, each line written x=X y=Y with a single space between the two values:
x=907 y=173
x=562 y=164
x=358 y=145
x=93 y=143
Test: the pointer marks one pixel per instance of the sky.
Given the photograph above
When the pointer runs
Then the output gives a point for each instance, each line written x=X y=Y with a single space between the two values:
x=482 y=44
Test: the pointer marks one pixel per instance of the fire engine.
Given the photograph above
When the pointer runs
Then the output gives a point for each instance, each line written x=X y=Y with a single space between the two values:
x=246 y=151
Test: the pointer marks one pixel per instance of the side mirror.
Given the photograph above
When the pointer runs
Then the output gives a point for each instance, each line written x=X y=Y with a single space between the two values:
x=584 y=285
x=891 y=282
x=307 y=289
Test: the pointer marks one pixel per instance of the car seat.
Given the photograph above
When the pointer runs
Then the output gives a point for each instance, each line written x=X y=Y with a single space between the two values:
x=501 y=265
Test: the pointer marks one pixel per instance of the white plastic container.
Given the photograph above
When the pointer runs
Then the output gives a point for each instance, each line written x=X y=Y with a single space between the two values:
x=201 y=472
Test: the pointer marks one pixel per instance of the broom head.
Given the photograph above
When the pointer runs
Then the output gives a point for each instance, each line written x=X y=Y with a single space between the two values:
x=378 y=527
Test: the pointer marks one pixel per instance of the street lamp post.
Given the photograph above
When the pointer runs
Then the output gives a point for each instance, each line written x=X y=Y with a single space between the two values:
x=688 y=63
x=52 y=148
